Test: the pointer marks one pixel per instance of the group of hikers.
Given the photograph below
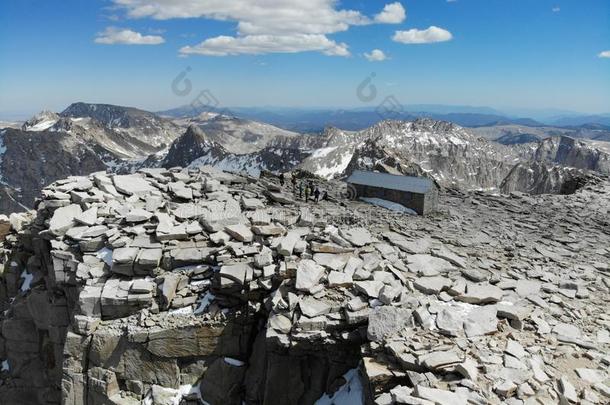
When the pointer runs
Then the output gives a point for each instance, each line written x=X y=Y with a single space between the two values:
x=304 y=189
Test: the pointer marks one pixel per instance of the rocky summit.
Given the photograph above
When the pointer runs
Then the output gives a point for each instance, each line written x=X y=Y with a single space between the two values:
x=190 y=286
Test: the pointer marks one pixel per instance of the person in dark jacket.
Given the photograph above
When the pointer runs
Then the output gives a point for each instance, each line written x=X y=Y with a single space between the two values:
x=316 y=194
x=293 y=179
x=307 y=192
x=282 y=179
x=301 y=186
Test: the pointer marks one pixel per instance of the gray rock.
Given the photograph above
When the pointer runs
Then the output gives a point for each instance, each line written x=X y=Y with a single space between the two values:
x=339 y=279
x=483 y=293
x=427 y=265
x=240 y=232
x=138 y=215
x=357 y=236
x=63 y=219
x=132 y=185
x=371 y=289
x=88 y=217
x=439 y=359
x=309 y=274
x=330 y=260
x=439 y=397
x=236 y=274
x=431 y=285
x=481 y=321
x=387 y=321
x=312 y=307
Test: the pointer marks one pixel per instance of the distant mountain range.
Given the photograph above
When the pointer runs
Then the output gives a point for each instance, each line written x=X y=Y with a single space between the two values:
x=315 y=120
x=494 y=153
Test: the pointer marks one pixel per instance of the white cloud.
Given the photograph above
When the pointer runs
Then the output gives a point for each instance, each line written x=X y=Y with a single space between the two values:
x=262 y=44
x=415 y=36
x=604 y=54
x=393 y=13
x=376 y=55
x=556 y=9
x=263 y=26
x=113 y=35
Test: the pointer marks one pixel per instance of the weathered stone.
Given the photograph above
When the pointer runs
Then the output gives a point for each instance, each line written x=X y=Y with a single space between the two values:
x=132 y=185
x=386 y=321
x=63 y=219
x=369 y=288
x=240 y=232
x=186 y=342
x=309 y=274
x=357 y=236
x=431 y=285
x=427 y=265
x=312 y=307
x=481 y=294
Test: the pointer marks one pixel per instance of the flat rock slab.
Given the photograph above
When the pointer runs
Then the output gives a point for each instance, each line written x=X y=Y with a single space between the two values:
x=312 y=307
x=431 y=285
x=439 y=359
x=481 y=321
x=132 y=185
x=240 y=232
x=63 y=219
x=370 y=288
x=235 y=274
x=357 y=236
x=484 y=293
x=309 y=274
x=428 y=265
x=386 y=321
x=138 y=215
x=330 y=260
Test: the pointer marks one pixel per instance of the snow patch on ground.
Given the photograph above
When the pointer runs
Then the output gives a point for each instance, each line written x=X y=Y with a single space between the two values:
x=106 y=255
x=331 y=171
x=42 y=125
x=5 y=366
x=204 y=303
x=319 y=153
x=234 y=362
x=351 y=393
x=389 y=205
x=27 y=281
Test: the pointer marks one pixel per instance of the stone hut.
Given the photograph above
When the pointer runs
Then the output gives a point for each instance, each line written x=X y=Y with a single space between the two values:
x=417 y=193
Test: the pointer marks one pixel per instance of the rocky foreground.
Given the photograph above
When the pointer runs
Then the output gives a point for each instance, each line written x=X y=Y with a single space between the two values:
x=177 y=287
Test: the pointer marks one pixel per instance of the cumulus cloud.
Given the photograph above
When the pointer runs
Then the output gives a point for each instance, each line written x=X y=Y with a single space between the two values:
x=376 y=55
x=263 y=26
x=429 y=35
x=604 y=54
x=262 y=44
x=393 y=13
x=113 y=35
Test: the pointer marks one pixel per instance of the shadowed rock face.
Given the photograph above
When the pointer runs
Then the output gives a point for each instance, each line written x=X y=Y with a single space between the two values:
x=31 y=160
x=172 y=285
x=544 y=178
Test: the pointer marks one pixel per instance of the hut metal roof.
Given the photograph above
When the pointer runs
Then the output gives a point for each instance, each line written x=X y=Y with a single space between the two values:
x=410 y=184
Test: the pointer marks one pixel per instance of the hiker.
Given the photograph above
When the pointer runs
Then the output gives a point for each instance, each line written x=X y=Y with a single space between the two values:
x=325 y=196
x=294 y=183
x=316 y=195
x=307 y=191
x=301 y=190
x=282 y=179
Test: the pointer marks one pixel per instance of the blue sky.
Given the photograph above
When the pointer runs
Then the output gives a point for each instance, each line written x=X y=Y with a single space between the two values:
x=497 y=53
